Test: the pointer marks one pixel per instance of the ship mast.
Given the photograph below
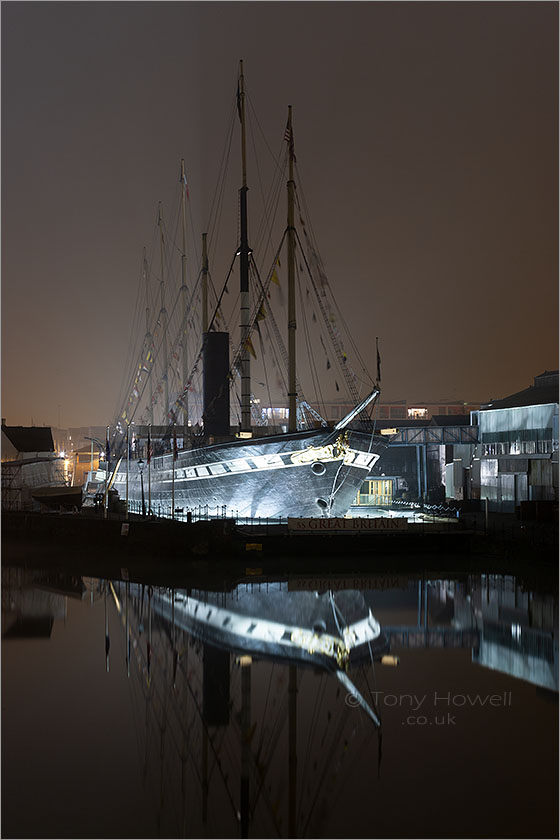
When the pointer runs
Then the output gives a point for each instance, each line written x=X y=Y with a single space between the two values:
x=292 y=391
x=204 y=284
x=149 y=341
x=244 y=268
x=163 y=315
x=184 y=296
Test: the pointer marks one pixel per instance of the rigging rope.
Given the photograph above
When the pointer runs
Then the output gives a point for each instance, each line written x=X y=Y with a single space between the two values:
x=316 y=249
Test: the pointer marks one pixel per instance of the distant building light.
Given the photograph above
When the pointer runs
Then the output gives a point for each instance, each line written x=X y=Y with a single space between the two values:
x=417 y=413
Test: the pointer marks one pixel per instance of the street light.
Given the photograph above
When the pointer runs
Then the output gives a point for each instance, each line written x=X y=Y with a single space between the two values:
x=99 y=443
x=141 y=468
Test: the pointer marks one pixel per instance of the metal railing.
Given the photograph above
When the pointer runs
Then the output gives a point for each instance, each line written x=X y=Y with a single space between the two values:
x=204 y=513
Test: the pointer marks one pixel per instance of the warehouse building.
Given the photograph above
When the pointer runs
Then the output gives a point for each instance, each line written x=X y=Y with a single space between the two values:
x=518 y=435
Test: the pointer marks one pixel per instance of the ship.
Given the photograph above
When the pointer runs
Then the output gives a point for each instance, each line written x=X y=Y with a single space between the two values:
x=309 y=467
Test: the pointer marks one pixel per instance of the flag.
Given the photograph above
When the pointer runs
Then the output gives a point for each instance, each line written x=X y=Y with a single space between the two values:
x=250 y=348
x=175 y=453
x=149 y=453
x=261 y=314
x=378 y=360
x=183 y=180
x=289 y=138
x=274 y=278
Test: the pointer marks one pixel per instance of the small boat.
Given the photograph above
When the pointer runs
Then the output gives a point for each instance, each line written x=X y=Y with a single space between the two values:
x=57 y=496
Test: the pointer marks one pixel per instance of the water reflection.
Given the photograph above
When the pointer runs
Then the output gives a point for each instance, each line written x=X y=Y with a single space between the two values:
x=255 y=710
x=33 y=600
x=229 y=715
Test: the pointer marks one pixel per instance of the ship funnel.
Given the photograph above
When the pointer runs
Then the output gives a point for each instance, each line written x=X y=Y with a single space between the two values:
x=215 y=360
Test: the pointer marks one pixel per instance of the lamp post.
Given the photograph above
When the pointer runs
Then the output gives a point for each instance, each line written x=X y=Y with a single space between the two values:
x=141 y=468
x=100 y=445
x=108 y=463
x=127 y=464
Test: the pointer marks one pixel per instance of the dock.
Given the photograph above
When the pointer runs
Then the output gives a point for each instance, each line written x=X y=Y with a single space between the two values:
x=174 y=552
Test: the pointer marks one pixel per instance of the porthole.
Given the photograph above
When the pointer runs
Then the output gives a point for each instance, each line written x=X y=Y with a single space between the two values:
x=322 y=503
x=318 y=468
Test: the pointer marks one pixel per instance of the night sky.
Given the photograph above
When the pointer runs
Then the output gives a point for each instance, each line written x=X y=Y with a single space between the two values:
x=426 y=134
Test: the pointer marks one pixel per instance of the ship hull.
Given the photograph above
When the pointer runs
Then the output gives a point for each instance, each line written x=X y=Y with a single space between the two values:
x=306 y=474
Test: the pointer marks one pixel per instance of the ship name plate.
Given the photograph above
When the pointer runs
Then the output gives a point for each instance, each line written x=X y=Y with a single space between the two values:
x=353 y=525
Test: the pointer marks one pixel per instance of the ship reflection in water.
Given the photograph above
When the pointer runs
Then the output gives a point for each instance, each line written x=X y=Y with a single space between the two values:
x=266 y=710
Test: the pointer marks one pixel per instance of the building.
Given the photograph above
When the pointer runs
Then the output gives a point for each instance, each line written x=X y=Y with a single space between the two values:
x=29 y=462
x=518 y=435
x=83 y=460
x=419 y=456
x=401 y=410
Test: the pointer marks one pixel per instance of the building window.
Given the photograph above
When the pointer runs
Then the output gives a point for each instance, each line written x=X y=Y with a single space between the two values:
x=377 y=491
x=417 y=413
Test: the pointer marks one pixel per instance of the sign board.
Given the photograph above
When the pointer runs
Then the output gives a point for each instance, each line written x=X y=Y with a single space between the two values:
x=337 y=584
x=352 y=525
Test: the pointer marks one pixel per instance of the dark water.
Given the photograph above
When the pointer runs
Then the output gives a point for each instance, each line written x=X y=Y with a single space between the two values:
x=170 y=737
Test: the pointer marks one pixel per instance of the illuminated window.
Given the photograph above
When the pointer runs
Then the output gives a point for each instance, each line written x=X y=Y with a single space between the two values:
x=377 y=492
x=417 y=413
